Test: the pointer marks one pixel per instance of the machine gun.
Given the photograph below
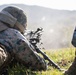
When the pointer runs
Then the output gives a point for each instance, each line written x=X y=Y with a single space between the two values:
x=34 y=40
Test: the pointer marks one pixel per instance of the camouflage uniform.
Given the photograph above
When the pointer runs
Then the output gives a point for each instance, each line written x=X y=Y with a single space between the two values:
x=21 y=48
x=12 y=25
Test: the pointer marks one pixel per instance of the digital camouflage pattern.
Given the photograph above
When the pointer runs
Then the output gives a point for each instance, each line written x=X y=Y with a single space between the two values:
x=3 y=56
x=23 y=51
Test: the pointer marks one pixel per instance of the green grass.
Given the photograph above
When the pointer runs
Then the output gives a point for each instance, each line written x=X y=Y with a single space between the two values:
x=63 y=57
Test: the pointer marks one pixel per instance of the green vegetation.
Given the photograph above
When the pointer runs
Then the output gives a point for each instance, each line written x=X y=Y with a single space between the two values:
x=63 y=57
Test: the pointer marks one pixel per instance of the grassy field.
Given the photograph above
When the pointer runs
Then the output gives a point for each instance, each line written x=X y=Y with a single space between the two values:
x=63 y=57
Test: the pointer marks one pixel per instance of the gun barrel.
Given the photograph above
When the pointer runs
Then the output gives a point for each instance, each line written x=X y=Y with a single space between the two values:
x=50 y=61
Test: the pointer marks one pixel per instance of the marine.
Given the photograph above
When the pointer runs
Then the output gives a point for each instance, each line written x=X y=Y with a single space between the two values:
x=13 y=43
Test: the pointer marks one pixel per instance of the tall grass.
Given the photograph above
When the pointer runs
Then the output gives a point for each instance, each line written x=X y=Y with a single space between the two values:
x=63 y=57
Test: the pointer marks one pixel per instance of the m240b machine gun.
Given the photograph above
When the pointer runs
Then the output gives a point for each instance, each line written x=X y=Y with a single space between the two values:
x=34 y=40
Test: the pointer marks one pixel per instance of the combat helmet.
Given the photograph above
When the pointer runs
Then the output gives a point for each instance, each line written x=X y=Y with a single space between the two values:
x=14 y=17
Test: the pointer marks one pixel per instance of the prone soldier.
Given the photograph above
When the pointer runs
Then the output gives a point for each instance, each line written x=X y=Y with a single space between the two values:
x=13 y=22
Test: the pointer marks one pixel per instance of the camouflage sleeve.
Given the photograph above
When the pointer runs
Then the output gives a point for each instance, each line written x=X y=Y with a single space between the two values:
x=25 y=54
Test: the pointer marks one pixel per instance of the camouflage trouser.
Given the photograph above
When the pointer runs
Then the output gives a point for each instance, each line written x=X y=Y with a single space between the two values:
x=4 y=57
